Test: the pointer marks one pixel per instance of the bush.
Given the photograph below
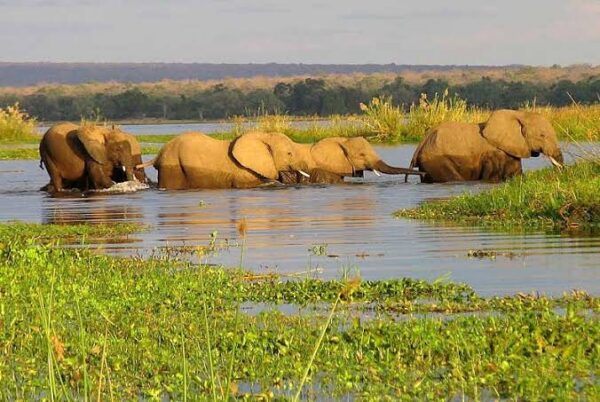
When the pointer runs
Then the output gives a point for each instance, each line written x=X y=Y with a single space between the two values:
x=17 y=126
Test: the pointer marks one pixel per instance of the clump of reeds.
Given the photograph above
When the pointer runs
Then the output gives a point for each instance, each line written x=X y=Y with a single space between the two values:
x=431 y=112
x=384 y=120
x=16 y=125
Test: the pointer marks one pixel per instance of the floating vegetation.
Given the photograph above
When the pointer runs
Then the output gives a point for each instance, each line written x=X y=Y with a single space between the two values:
x=80 y=325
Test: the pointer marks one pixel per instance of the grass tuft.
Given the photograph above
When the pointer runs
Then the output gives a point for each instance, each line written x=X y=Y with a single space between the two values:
x=566 y=199
x=16 y=126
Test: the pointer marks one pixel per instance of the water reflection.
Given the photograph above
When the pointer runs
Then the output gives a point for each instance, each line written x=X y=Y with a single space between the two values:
x=351 y=224
x=90 y=210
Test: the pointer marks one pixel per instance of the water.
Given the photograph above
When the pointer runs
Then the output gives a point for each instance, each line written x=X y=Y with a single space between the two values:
x=351 y=222
x=205 y=127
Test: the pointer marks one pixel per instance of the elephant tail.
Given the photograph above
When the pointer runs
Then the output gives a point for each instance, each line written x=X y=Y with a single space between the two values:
x=146 y=164
x=42 y=164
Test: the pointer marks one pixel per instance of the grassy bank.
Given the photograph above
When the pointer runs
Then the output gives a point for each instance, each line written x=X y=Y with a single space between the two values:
x=77 y=325
x=549 y=198
x=29 y=153
x=381 y=122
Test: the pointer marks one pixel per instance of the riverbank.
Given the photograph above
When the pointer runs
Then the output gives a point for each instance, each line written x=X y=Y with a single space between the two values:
x=79 y=325
x=548 y=199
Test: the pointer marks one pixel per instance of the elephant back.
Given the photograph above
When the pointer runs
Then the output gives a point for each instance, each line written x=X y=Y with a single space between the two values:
x=460 y=140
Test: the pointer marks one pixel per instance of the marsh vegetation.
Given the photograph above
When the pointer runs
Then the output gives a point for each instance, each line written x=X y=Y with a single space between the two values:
x=80 y=325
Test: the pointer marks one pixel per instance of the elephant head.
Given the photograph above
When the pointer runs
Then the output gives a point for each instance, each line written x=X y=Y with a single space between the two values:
x=136 y=153
x=522 y=134
x=267 y=154
x=350 y=157
x=110 y=155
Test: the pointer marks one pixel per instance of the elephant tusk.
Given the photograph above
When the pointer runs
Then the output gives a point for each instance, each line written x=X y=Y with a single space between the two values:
x=555 y=162
x=124 y=169
x=376 y=172
x=303 y=173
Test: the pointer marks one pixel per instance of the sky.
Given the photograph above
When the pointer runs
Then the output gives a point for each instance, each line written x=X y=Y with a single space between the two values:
x=482 y=32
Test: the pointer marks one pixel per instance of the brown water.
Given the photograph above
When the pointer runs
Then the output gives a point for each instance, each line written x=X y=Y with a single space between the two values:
x=351 y=222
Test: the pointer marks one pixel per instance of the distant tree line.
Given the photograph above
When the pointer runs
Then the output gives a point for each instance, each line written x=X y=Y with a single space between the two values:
x=310 y=96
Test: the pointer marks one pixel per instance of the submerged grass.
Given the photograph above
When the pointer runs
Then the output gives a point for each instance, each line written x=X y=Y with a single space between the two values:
x=565 y=199
x=78 y=325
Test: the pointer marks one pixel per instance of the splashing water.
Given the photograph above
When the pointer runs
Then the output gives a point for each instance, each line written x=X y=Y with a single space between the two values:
x=124 y=187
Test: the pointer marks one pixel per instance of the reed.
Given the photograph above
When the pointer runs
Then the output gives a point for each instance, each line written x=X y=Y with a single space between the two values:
x=17 y=126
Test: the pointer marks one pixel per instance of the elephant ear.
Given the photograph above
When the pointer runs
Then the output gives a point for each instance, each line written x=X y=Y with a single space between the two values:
x=504 y=130
x=94 y=143
x=331 y=155
x=252 y=152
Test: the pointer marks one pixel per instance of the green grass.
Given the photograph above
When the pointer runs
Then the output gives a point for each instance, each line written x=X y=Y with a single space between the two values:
x=19 y=153
x=155 y=139
x=76 y=325
x=567 y=199
x=34 y=154
x=46 y=233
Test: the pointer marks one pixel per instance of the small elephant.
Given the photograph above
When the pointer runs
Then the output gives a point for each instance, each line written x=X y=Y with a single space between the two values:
x=89 y=157
x=196 y=160
x=332 y=159
x=490 y=151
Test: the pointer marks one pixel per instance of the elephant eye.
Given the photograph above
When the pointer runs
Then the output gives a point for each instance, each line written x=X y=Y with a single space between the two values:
x=289 y=154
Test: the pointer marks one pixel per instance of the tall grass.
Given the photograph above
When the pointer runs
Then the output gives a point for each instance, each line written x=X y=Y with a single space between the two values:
x=575 y=122
x=388 y=123
x=16 y=125
x=431 y=112
x=384 y=120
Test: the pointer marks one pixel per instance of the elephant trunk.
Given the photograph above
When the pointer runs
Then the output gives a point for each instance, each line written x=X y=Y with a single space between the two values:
x=387 y=169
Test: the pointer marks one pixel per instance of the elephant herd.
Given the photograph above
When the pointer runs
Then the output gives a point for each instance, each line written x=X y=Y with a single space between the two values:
x=89 y=157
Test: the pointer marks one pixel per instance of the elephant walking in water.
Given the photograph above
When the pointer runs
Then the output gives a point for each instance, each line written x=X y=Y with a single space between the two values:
x=489 y=151
x=195 y=160
x=332 y=159
x=89 y=157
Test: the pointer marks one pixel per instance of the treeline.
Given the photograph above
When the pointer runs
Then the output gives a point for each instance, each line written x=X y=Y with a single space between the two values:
x=24 y=74
x=309 y=96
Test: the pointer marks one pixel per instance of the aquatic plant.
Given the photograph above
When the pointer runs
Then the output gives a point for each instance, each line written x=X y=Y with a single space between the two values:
x=77 y=325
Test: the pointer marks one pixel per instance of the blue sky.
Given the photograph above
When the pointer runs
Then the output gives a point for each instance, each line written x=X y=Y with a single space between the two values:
x=538 y=32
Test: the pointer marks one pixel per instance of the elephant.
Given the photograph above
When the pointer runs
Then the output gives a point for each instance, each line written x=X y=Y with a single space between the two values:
x=195 y=160
x=89 y=157
x=490 y=151
x=331 y=159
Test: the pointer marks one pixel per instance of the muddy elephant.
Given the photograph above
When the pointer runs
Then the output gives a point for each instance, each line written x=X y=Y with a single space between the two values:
x=490 y=151
x=196 y=160
x=332 y=159
x=89 y=157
